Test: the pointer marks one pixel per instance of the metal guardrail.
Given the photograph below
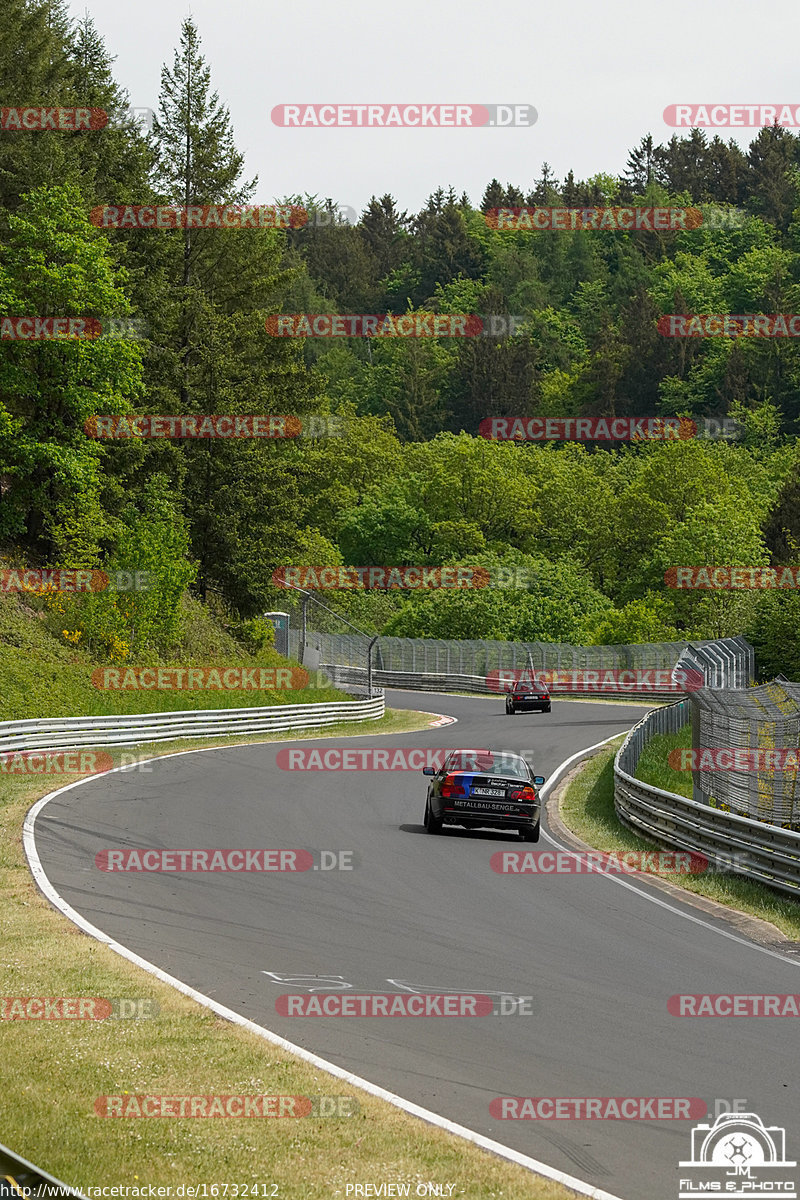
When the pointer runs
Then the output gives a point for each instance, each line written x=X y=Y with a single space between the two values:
x=20 y=1178
x=70 y=732
x=750 y=848
x=345 y=676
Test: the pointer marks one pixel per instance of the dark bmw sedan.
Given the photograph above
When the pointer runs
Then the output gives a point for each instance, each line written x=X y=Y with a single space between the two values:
x=484 y=789
x=526 y=696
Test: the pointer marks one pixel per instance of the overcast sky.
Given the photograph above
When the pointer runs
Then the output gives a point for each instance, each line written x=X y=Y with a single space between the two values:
x=599 y=74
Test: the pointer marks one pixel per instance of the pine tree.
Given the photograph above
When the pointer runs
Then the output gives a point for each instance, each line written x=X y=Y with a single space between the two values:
x=570 y=191
x=639 y=171
x=384 y=231
x=493 y=196
x=772 y=177
x=216 y=357
x=36 y=70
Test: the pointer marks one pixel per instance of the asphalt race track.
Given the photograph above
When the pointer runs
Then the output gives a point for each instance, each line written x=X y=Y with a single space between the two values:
x=423 y=912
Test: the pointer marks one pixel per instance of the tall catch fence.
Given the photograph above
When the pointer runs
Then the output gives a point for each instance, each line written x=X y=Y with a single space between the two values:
x=475 y=665
x=764 y=720
x=756 y=847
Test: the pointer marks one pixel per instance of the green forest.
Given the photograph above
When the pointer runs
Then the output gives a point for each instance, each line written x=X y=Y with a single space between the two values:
x=405 y=478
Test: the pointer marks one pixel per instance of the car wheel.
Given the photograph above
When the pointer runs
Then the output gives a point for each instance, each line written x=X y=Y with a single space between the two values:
x=548 y=709
x=510 y=710
x=432 y=824
x=531 y=833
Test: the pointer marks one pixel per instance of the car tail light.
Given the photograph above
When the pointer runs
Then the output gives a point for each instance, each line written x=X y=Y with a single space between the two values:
x=450 y=788
x=526 y=794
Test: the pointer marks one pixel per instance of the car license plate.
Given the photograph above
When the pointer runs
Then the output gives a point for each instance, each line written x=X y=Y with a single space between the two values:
x=481 y=806
x=478 y=791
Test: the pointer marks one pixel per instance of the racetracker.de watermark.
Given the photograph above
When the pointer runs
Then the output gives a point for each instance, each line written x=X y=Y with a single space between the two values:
x=49 y=329
x=201 y=679
x=404 y=758
x=631 y=862
x=624 y=679
x=199 y=216
x=226 y=425
x=728 y=1004
x=233 y=861
x=755 y=325
x=735 y=758
x=55 y=762
x=134 y=329
x=728 y=116
x=63 y=120
x=732 y=578
x=617 y=220
x=597 y=1108
x=151 y=1105
x=602 y=429
x=401 y=1004
x=343 y=578
x=62 y=329
x=56 y=579
x=76 y=1008
x=68 y=762
x=605 y=429
x=403 y=116
x=393 y=325
x=119 y=118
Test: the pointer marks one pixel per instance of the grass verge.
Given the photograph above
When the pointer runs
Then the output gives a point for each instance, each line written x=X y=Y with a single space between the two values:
x=587 y=808
x=653 y=767
x=54 y=1070
x=43 y=676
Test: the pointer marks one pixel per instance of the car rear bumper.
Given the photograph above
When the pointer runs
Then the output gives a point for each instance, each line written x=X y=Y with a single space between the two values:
x=482 y=815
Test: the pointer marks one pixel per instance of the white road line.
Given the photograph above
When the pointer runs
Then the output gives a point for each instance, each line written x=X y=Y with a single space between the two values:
x=644 y=891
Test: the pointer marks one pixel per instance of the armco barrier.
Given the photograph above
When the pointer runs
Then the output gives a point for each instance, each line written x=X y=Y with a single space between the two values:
x=757 y=850
x=71 y=732
x=356 y=676
x=23 y=1179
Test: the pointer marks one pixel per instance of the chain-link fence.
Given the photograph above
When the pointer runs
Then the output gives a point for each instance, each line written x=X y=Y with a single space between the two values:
x=316 y=639
x=484 y=666
x=761 y=782
x=756 y=849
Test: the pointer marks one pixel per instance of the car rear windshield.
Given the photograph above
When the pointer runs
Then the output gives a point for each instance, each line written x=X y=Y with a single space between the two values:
x=481 y=762
x=538 y=685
